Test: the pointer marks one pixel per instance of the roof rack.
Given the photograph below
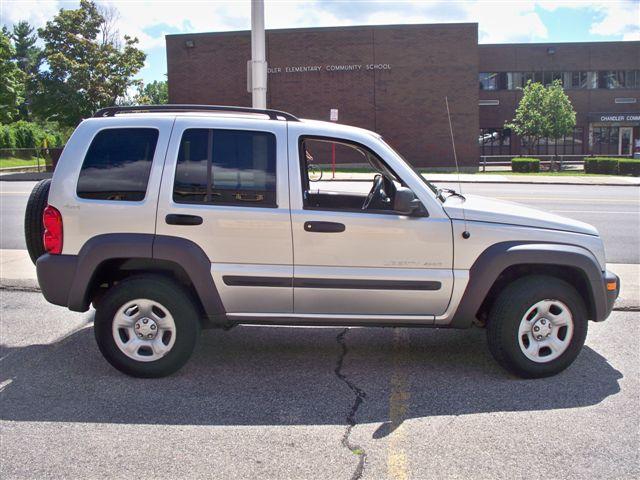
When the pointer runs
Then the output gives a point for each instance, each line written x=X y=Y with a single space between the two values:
x=272 y=114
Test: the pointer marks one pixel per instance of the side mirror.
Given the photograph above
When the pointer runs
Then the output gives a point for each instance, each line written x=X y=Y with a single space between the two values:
x=405 y=201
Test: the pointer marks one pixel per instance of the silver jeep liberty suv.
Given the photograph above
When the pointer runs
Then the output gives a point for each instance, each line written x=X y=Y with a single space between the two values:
x=173 y=218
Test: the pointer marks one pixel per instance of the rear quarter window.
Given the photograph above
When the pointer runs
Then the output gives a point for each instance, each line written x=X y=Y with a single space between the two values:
x=117 y=164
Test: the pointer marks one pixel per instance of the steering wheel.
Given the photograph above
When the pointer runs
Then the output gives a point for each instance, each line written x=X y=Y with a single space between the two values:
x=375 y=192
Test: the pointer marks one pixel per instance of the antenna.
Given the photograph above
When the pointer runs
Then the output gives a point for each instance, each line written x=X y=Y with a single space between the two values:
x=466 y=233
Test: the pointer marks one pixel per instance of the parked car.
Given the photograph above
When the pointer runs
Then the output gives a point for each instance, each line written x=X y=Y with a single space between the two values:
x=169 y=219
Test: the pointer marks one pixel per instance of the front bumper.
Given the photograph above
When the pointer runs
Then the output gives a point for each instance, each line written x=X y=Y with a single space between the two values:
x=611 y=294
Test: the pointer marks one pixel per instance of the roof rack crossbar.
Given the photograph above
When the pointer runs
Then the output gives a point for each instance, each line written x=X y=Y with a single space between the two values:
x=272 y=114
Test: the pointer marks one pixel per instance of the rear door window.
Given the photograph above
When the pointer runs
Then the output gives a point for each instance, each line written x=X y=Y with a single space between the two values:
x=226 y=167
x=117 y=164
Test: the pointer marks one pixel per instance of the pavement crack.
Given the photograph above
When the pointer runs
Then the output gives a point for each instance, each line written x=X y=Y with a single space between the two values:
x=360 y=395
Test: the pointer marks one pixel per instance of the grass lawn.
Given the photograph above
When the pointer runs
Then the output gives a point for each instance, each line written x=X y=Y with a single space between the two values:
x=19 y=162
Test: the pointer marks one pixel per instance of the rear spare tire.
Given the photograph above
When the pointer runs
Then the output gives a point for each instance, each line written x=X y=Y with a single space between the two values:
x=33 y=227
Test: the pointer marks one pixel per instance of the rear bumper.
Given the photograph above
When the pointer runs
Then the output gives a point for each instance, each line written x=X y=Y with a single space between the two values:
x=55 y=277
x=611 y=295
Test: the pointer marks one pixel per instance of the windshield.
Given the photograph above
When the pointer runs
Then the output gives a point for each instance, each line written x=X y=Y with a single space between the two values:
x=430 y=185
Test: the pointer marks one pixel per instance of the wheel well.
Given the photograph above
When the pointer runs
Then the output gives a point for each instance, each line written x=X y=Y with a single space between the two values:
x=114 y=270
x=573 y=276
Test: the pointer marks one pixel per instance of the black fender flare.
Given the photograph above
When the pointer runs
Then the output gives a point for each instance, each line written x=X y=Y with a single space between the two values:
x=500 y=256
x=101 y=248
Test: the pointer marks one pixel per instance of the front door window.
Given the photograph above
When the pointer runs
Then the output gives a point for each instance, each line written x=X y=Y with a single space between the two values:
x=624 y=142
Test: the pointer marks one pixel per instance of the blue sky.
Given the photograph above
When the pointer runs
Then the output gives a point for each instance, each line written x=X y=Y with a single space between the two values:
x=498 y=21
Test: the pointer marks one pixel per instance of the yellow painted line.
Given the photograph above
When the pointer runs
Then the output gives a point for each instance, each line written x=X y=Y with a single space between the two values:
x=571 y=200
x=397 y=462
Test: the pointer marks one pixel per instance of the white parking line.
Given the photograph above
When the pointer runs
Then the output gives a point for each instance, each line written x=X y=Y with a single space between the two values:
x=595 y=211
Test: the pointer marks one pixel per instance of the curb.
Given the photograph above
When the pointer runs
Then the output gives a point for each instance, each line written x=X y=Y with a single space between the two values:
x=19 y=284
x=24 y=176
x=518 y=182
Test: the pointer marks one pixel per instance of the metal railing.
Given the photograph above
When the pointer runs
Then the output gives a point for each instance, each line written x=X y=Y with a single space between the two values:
x=26 y=159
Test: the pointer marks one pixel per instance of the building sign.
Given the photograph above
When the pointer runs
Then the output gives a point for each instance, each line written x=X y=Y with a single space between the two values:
x=614 y=117
x=353 y=67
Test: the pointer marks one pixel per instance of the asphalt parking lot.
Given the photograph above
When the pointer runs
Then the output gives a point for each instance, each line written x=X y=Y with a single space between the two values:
x=266 y=402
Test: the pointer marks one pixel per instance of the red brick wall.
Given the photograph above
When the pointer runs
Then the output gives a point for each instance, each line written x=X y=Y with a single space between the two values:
x=405 y=104
x=567 y=57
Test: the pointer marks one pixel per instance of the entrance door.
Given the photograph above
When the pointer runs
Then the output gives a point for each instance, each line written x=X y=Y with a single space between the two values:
x=625 y=142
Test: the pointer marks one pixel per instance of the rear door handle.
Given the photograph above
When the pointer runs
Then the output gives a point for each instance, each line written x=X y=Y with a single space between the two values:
x=324 y=227
x=178 y=219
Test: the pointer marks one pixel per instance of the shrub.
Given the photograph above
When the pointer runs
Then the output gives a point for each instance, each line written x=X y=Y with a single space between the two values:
x=629 y=166
x=525 y=165
x=590 y=165
x=602 y=165
x=23 y=134
x=7 y=137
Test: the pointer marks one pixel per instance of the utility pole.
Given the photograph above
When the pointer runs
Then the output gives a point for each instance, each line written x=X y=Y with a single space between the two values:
x=258 y=57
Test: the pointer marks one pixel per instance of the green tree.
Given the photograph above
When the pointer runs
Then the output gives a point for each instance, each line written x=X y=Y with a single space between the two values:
x=154 y=93
x=27 y=54
x=84 y=72
x=28 y=58
x=11 y=81
x=543 y=112
x=561 y=117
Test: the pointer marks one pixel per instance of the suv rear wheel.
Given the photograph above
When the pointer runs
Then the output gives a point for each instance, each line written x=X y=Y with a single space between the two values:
x=147 y=326
x=537 y=326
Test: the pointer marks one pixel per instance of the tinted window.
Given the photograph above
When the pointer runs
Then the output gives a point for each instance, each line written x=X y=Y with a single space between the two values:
x=117 y=164
x=226 y=167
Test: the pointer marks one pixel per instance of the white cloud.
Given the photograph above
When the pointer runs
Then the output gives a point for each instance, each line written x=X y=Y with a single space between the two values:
x=499 y=21
x=35 y=12
x=619 y=18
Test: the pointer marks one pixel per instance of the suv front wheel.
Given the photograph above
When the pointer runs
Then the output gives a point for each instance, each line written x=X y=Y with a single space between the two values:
x=147 y=326
x=537 y=326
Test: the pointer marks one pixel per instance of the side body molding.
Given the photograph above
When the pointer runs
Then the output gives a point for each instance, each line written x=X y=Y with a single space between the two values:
x=111 y=246
x=497 y=258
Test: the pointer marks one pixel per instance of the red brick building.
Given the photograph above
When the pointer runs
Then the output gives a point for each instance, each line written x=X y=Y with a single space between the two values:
x=602 y=80
x=394 y=80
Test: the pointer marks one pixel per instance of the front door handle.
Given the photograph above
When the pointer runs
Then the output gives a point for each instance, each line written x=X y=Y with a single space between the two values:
x=324 y=227
x=178 y=219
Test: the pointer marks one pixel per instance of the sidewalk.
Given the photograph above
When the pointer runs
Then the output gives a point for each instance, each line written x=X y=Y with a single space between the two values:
x=599 y=180
x=18 y=273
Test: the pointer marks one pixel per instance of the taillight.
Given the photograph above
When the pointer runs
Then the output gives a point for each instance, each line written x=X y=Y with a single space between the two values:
x=52 y=237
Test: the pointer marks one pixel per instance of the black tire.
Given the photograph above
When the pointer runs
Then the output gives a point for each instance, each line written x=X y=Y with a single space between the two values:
x=179 y=303
x=509 y=309
x=33 y=227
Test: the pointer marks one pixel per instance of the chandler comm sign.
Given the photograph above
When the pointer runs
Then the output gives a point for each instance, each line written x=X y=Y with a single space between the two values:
x=328 y=68
x=615 y=117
